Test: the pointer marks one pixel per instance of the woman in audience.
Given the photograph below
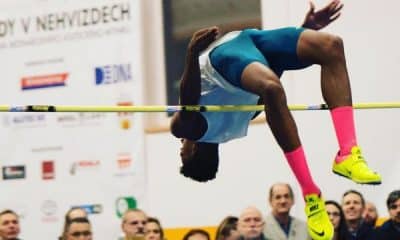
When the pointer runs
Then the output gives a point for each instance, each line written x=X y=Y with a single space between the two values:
x=153 y=229
x=227 y=229
x=336 y=216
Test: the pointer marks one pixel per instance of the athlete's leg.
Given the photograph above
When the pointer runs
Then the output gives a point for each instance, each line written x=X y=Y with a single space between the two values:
x=261 y=80
x=244 y=62
x=327 y=50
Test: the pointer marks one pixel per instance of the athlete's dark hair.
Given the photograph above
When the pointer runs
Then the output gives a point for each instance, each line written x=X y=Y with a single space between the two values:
x=203 y=166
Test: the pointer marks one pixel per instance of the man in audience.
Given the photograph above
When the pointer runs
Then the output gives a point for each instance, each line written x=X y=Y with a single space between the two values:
x=279 y=224
x=353 y=205
x=78 y=229
x=251 y=224
x=9 y=225
x=72 y=213
x=133 y=223
x=391 y=228
x=370 y=214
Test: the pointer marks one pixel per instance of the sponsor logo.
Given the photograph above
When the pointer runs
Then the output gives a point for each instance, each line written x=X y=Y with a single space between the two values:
x=49 y=211
x=112 y=74
x=80 y=119
x=44 y=81
x=125 y=117
x=84 y=165
x=122 y=204
x=25 y=120
x=319 y=233
x=91 y=208
x=124 y=161
x=14 y=172
x=124 y=165
x=48 y=170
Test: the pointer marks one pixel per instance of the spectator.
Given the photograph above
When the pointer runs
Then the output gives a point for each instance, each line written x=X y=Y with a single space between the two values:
x=9 y=225
x=227 y=229
x=370 y=214
x=133 y=223
x=390 y=230
x=353 y=205
x=279 y=224
x=336 y=216
x=153 y=229
x=197 y=234
x=75 y=212
x=78 y=229
x=251 y=224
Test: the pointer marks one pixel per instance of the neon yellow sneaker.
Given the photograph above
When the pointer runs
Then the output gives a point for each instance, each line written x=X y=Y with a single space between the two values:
x=318 y=223
x=355 y=168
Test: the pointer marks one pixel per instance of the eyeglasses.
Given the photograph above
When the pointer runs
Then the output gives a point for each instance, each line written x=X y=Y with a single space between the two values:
x=83 y=233
x=137 y=222
x=335 y=214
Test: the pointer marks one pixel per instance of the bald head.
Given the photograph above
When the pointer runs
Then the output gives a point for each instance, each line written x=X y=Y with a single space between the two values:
x=251 y=223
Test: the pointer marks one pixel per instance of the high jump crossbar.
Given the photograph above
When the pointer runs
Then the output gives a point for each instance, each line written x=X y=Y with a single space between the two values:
x=179 y=108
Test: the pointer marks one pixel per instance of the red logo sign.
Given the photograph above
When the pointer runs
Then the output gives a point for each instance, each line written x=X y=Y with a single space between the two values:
x=44 y=81
x=48 y=170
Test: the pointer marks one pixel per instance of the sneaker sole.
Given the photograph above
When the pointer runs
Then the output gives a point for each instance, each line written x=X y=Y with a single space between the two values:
x=357 y=181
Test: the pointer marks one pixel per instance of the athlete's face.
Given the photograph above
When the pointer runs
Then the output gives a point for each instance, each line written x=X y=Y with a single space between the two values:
x=187 y=149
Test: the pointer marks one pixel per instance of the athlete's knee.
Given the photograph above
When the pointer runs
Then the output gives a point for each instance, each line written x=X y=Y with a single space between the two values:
x=333 y=46
x=272 y=91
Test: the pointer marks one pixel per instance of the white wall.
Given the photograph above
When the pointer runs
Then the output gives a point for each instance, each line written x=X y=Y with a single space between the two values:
x=249 y=166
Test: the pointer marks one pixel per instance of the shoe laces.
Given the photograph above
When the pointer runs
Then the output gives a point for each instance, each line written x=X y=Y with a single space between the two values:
x=359 y=162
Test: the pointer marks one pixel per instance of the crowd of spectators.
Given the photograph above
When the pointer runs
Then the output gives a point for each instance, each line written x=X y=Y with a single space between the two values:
x=353 y=218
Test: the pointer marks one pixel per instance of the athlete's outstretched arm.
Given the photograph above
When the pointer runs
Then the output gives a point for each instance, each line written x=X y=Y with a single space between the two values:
x=323 y=17
x=190 y=85
x=191 y=125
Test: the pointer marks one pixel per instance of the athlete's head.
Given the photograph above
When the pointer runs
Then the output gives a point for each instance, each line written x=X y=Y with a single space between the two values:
x=199 y=160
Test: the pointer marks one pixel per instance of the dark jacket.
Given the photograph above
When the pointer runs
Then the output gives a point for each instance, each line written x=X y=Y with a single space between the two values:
x=387 y=231
x=364 y=232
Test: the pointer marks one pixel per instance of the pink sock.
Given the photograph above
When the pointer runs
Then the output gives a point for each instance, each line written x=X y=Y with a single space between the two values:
x=343 y=121
x=298 y=164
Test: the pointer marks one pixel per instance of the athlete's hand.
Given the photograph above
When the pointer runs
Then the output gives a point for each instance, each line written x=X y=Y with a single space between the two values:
x=323 y=17
x=202 y=39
